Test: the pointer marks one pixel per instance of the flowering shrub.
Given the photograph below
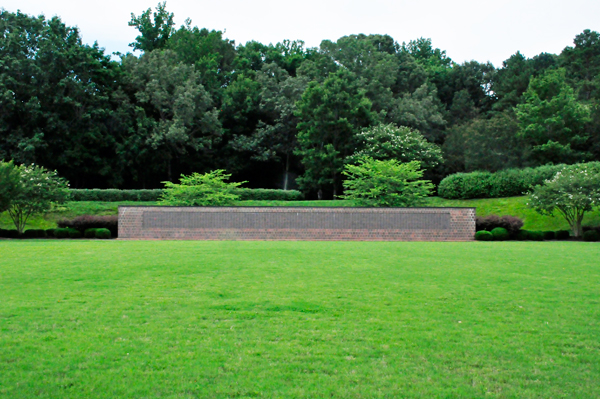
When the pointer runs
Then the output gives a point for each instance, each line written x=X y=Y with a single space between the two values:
x=392 y=142
x=39 y=189
x=571 y=192
x=209 y=189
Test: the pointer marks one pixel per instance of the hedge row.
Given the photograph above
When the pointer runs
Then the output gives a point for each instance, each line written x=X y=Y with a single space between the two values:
x=505 y=183
x=114 y=195
x=87 y=222
x=56 y=233
x=501 y=234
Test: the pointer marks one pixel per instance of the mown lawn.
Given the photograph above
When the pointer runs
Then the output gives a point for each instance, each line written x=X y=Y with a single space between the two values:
x=126 y=319
x=514 y=206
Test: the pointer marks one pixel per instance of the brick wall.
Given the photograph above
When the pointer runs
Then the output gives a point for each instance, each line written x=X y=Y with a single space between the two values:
x=296 y=223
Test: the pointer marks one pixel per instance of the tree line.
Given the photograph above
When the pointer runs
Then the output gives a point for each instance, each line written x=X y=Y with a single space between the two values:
x=281 y=115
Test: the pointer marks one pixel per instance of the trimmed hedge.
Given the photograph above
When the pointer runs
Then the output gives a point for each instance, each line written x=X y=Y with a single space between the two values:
x=484 y=236
x=84 y=222
x=505 y=183
x=511 y=223
x=4 y=233
x=34 y=233
x=74 y=233
x=549 y=235
x=500 y=234
x=562 y=235
x=90 y=233
x=61 y=233
x=114 y=195
x=591 y=235
x=103 y=234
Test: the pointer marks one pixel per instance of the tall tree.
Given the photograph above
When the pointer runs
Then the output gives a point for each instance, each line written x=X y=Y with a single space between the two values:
x=155 y=28
x=582 y=62
x=330 y=114
x=552 y=121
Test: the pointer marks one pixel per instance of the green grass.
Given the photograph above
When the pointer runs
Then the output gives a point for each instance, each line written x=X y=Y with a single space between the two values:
x=123 y=319
x=515 y=206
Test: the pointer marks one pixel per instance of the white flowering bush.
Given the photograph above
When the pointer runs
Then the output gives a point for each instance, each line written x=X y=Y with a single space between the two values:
x=39 y=189
x=392 y=142
x=385 y=183
x=571 y=193
x=10 y=182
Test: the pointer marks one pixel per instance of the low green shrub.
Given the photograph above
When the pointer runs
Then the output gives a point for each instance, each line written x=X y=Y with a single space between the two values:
x=484 y=236
x=536 y=235
x=61 y=233
x=523 y=235
x=549 y=235
x=103 y=234
x=84 y=222
x=50 y=232
x=114 y=195
x=511 y=223
x=500 y=234
x=562 y=235
x=591 y=235
x=90 y=233
x=504 y=183
x=34 y=233
x=4 y=233
x=74 y=233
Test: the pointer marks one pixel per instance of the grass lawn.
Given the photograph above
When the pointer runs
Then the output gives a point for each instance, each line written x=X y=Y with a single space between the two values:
x=158 y=319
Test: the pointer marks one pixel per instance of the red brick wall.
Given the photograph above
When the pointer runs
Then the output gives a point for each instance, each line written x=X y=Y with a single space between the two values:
x=296 y=223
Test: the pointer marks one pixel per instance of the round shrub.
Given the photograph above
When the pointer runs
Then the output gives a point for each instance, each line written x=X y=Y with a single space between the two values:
x=90 y=233
x=50 y=232
x=562 y=235
x=484 y=236
x=500 y=234
x=30 y=233
x=523 y=235
x=61 y=233
x=591 y=235
x=536 y=235
x=549 y=235
x=74 y=233
x=103 y=234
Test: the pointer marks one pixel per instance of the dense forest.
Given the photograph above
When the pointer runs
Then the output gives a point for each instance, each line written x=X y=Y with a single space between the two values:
x=282 y=115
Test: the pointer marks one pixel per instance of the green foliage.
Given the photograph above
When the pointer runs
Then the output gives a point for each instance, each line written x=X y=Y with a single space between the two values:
x=39 y=190
x=61 y=233
x=153 y=33
x=114 y=195
x=330 y=115
x=505 y=183
x=209 y=189
x=90 y=233
x=483 y=235
x=591 y=235
x=549 y=235
x=404 y=144
x=50 y=232
x=552 y=121
x=261 y=194
x=562 y=234
x=74 y=233
x=103 y=234
x=500 y=234
x=386 y=183
x=10 y=184
x=571 y=192
x=523 y=235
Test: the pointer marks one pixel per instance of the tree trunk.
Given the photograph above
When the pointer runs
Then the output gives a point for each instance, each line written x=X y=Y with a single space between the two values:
x=287 y=171
x=169 y=175
x=320 y=194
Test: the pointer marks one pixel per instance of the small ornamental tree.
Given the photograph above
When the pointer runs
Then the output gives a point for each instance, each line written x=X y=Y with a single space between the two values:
x=572 y=192
x=392 y=142
x=10 y=184
x=209 y=189
x=386 y=183
x=40 y=189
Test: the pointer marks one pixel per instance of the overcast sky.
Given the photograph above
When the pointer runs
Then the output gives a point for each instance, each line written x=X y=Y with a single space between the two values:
x=482 y=30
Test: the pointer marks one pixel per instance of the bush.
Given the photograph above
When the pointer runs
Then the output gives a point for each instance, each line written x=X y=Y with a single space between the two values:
x=114 y=195
x=34 y=233
x=50 y=232
x=103 y=234
x=523 y=235
x=9 y=233
x=500 y=234
x=84 y=222
x=90 y=233
x=511 y=223
x=61 y=233
x=591 y=235
x=74 y=233
x=549 y=235
x=484 y=236
x=536 y=236
x=209 y=189
x=262 y=194
x=505 y=183
x=562 y=235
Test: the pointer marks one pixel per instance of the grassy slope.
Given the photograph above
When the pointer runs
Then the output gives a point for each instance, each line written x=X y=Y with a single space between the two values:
x=87 y=319
x=516 y=206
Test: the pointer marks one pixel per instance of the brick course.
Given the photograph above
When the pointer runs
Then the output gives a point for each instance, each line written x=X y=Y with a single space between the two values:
x=296 y=223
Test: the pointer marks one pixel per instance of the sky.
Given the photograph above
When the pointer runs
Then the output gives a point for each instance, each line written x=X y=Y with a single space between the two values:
x=480 y=30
